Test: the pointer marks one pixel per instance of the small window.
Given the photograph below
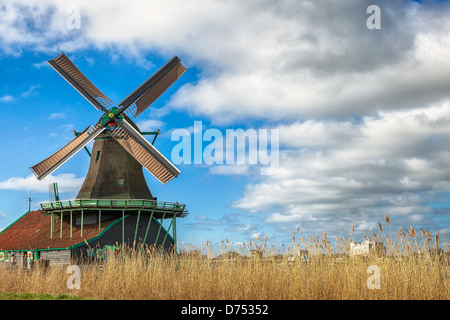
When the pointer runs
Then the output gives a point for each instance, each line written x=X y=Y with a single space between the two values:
x=120 y=181
x=98 y=156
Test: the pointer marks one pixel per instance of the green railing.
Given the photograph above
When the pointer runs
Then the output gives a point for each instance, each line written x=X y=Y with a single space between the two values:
x=116 y=203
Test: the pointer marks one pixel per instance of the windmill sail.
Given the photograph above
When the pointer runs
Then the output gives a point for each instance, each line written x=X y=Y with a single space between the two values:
x=65 y=67
x=141 y=98
x=125 y=134
x=47 y=166
x=145 y=153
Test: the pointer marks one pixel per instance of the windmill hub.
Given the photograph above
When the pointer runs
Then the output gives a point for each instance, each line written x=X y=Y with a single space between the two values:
x=109 y=119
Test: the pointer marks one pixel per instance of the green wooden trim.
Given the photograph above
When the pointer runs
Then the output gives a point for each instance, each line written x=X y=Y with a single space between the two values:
x=175 y=248
x=48 y=249
x=14 y=221
x=164 y=229
x=71 y=223
x=154 y=138
x=61 y=225
x=51 y=225
x=118 y=204
x=123 y=226
x=146 y=232
x=76 y=133
x=159 y=230
x=137 y=225
x=55 y=191
x=82 y=218
x=165 y=237
x=174 y=232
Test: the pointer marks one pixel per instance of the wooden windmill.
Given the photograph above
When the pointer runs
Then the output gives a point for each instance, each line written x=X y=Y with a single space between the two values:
x=114 y=204
x=120 y=150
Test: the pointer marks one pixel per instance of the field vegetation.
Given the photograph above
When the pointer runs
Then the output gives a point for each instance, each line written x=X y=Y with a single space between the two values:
x=413 y=265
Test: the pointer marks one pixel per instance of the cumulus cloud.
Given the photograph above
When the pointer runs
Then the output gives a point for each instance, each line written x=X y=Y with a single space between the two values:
x=264 y=60
x=67 y=182
x=319 y=61
x=334 y=173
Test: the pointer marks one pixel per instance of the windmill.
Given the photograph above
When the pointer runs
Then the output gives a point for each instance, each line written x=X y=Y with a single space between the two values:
x=114 y=204
x=120 y=150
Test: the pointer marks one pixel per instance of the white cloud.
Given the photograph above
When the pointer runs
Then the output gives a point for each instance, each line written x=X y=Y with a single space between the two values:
x=271 y=61
x=396 y=162
x=256 y=235
x=259 y=60
x=31 y=91
x=7 y=98
x=67 y=182
x=318 y=72
x=39 y=65
x=57 y=115
x=150 y=125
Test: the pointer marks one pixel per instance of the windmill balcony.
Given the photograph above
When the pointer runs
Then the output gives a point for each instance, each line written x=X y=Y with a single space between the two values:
x=136 y=204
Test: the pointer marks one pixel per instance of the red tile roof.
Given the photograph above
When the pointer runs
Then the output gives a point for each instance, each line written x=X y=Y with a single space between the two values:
x=32 y=231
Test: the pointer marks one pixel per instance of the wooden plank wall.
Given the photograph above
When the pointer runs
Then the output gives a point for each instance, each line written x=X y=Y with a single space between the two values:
x=56 y=257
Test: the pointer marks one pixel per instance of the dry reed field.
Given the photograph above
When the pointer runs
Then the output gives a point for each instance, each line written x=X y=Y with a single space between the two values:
x=410 y=268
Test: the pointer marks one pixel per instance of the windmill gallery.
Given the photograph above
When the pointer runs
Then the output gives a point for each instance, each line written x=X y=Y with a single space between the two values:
x=114 y=205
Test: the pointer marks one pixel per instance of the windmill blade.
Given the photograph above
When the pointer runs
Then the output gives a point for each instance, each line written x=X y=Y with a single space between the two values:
x=65 y=67
x=144 y=152
x=47 y=166
x=153 y=87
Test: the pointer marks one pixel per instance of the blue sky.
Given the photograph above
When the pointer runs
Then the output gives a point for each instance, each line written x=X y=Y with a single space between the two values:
x=363 y=115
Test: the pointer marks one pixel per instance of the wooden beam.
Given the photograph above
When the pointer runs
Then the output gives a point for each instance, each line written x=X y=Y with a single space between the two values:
x=137 y=225
x=165 y=237
x=159 y=230
x=174 y=232
x=123 y=226
x=82 y=218
x=146 y=232
x=51 y=225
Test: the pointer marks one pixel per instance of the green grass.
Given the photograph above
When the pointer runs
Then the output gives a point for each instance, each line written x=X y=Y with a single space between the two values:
x=33 y=296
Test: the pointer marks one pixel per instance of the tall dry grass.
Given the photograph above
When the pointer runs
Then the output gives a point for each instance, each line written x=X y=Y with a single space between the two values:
x=330 y=273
